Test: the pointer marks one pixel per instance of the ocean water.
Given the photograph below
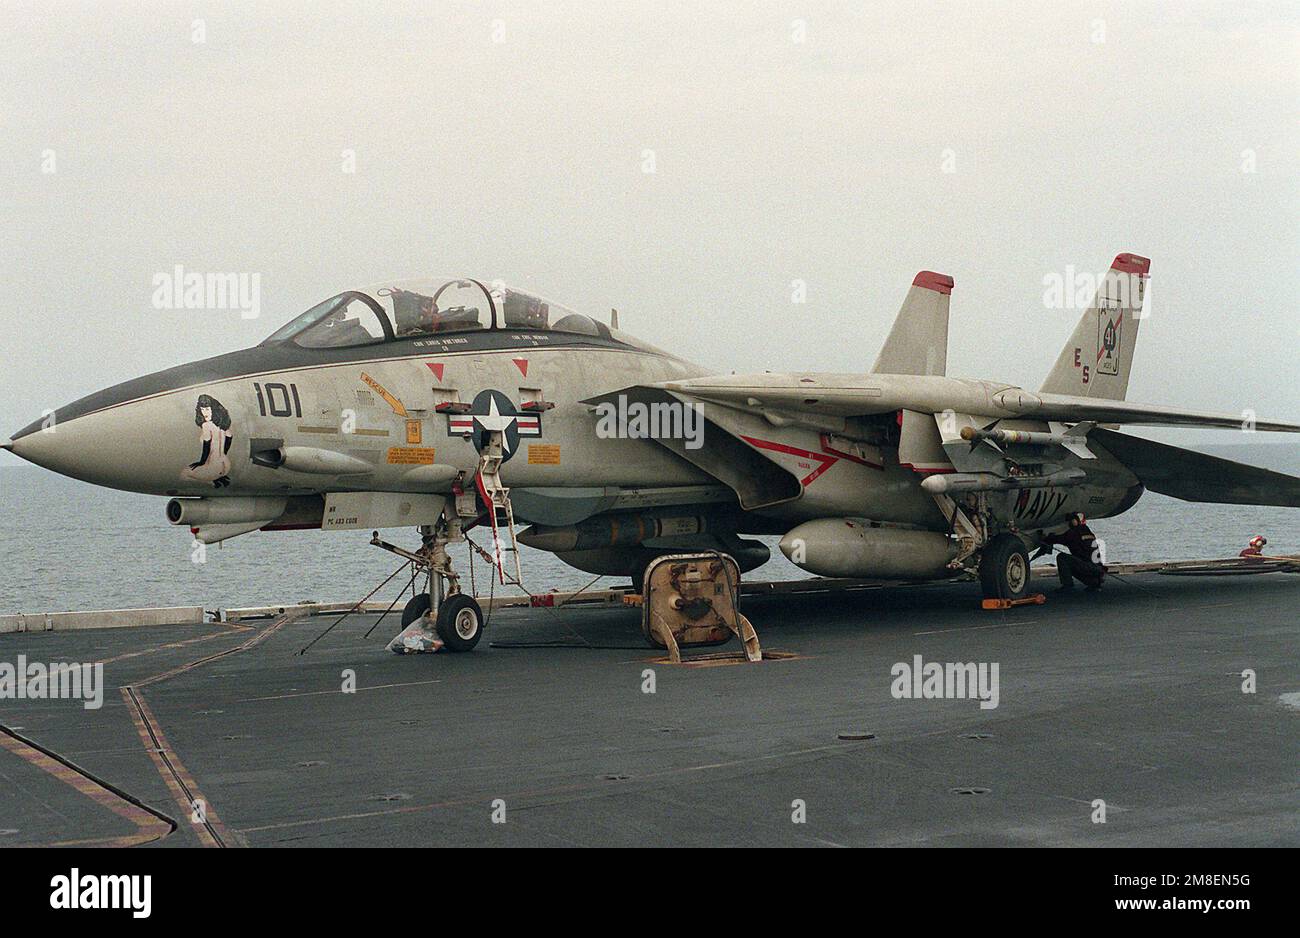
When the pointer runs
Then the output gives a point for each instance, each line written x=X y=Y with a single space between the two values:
x=66 y=545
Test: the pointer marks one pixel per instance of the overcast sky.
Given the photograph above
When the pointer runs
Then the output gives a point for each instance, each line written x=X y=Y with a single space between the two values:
x=843 y=145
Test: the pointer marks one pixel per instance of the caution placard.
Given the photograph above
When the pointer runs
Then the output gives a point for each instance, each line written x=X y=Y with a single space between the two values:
x=411 y=456
x=543 y=454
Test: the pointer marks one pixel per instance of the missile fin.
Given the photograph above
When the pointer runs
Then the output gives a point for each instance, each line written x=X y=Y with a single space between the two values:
x=1075 y=438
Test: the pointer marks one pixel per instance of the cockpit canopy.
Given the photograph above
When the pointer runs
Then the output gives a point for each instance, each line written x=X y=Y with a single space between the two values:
x=414 y=308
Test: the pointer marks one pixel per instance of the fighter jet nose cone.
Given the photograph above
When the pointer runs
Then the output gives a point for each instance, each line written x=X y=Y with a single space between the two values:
x=42 y=447
x=59 y=446
x=138 y=447
x=7 y=444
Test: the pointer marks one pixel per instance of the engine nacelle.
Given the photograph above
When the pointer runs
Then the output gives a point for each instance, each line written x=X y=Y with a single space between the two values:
x=851 y=547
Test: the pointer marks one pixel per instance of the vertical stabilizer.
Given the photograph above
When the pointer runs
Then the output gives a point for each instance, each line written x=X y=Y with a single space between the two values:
x=918 y=342
x=1099 y=356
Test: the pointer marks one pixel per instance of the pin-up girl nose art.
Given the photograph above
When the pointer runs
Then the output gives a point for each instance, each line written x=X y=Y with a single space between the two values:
x=213 y=421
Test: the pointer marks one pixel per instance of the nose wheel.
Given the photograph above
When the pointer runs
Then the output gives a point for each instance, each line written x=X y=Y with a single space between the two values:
x=458 y=619
x=460 y=622
x=415 y=609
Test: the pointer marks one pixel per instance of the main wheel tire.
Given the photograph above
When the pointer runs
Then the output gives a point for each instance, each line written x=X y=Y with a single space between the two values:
x=415 y=608
x=460 y=622
x=1004 y=568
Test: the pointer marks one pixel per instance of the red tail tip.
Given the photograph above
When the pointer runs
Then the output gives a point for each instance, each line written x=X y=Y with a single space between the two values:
x=929 y=280
x=1131 y=264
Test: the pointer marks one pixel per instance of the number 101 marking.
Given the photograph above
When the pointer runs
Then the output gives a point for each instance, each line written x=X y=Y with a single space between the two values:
x=282 y=399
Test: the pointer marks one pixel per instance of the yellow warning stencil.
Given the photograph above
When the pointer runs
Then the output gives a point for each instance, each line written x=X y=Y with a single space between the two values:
x=414 y=435
x=404 y=456
x=543 y=454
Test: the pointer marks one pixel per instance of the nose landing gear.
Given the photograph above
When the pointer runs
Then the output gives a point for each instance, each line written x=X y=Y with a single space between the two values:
x=441 y=609
x=458 y=621
x=456 y=617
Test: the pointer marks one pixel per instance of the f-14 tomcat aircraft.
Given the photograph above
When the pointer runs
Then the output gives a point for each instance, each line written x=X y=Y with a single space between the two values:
x=448 y=403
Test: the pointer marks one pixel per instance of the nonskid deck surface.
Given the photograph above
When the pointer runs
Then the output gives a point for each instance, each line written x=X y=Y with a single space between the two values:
x=1132 y=695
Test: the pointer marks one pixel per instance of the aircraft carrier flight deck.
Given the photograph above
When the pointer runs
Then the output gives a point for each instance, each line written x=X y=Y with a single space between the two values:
x=1171 y=702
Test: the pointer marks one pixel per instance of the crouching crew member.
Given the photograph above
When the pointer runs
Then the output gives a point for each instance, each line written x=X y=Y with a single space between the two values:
x=1083 y=562
x=1256 y=548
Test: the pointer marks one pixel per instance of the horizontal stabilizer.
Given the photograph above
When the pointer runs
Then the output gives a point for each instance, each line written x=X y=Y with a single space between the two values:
x=1196 y=477
x=1065 y=409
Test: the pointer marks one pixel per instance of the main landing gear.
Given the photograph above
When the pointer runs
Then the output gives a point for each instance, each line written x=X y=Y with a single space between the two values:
x=1004 y=568
x=1003 y=558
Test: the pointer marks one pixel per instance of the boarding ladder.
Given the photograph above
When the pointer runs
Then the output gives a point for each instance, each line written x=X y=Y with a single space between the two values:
x=497 y=499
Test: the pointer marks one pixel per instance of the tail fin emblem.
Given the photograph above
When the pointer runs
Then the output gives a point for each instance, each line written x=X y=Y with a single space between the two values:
x=1108 y=345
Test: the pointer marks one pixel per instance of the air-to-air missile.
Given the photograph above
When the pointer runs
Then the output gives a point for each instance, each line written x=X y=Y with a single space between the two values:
x=1073 y=439
x=991 y=482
